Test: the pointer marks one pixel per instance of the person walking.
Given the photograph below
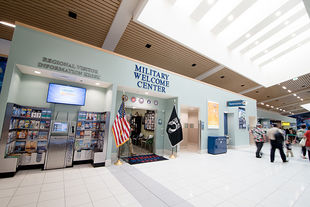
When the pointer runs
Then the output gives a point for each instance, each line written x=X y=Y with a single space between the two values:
x=276 y=138
x=307 y=136
x=259 y=138
x=301 y=135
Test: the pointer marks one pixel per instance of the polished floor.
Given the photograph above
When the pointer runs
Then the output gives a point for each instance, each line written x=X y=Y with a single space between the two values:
x=233 y=179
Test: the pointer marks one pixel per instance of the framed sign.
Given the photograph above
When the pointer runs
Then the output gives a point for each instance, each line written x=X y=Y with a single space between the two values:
x=242 y=118
x=213 y=115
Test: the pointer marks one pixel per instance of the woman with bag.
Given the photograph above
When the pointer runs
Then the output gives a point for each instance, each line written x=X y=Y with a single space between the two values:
x=307 y=136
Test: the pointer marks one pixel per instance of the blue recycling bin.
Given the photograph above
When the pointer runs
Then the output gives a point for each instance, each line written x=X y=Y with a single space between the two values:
x=217 y=144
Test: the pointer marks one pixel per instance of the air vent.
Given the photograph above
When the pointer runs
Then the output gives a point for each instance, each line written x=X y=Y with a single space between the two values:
x=222 y=76
x=148 y=45
x=194 y=64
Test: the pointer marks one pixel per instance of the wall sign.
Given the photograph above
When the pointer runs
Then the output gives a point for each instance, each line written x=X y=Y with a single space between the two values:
x=3 y=61
x=65 y=67
x=213 y=115
x=242 y=118
x=236 y=103
x=151 y=79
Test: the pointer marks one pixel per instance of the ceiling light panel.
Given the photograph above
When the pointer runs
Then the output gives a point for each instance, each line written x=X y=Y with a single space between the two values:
x=281 y=25
x=235 y=13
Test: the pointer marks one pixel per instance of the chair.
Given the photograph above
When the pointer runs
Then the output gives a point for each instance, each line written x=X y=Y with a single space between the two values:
x=149 y=144
x=143 y=142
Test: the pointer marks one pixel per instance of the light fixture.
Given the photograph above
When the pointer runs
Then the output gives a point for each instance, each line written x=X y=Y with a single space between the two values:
x=298 y=97
x=280 y=109
x=278 y=13
x=272 y=106
x=295 y=79
x=248 y=35
x=277 y=108
x=210 y=2
x=230 y=17
x=283 y=87
x=294 y=94
x=302 y=99
x=262 y=103
x=97 y=84
x=293 y=113
x=37 y=72
x=283 y=110
x=289 y=91
x=267 y=105
x=7 y=24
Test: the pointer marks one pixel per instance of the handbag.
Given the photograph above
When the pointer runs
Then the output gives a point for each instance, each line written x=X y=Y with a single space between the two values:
x=302 y=142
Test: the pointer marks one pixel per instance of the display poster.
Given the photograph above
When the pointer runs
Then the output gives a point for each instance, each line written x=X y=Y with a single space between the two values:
x=242 y=118
x=213 y=115
x=3 y=61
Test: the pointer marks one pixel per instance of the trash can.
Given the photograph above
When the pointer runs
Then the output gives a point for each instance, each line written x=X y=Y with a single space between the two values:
x=217 y=144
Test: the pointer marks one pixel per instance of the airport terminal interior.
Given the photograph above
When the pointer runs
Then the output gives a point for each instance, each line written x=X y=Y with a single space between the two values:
x=155 y=103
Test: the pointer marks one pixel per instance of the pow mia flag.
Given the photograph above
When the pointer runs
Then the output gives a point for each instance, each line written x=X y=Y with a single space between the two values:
x=174 y=129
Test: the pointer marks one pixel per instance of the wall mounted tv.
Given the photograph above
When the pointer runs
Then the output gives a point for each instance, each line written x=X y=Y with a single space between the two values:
x=63 y=94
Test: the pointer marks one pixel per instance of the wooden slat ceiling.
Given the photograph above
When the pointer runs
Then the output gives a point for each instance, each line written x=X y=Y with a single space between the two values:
x=94 y=18
x=91 y=26
x=231 y=81
x=163 y=52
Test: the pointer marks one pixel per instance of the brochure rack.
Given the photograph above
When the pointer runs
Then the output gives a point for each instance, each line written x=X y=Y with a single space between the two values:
x=26 y=133
x=91 y=131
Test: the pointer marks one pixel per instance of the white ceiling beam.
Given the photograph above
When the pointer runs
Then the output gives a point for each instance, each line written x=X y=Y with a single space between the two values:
x=122 y=18
x=307 y=5
x=284 y=96
x=250 y=89
x=201 y=10
x=210 y=72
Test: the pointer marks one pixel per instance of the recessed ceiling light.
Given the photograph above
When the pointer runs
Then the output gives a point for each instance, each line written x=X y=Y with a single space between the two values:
x=72 y=14
x=301 y=99
x=210 y=2
x=194 y=64
x=283 y=87
x=283 y=110
x=267 y=104
x=295 y=79
x=289 y=91
x=97 y=84
x=286 y=22
x=272 y=106
x=294 y=94
x=148 y=45
x=37 y=72
x=230 y=17
x=298 y=97
x=248 y=35
x=7 y=24
x=280 y=109
x=262 y=103
x=278 y=13
x=277 y=108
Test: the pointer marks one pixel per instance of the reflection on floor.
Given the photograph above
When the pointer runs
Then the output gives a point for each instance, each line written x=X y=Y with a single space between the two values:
x=190 y=147
x=236 y=178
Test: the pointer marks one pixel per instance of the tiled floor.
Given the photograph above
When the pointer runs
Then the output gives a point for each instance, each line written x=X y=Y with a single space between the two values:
x=233 y=179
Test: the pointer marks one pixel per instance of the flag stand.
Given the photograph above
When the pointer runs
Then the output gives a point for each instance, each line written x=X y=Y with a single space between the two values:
x=118 y=162
x=172 y=155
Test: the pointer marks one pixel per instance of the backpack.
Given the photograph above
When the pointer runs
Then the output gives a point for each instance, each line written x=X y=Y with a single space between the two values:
x=279 y=138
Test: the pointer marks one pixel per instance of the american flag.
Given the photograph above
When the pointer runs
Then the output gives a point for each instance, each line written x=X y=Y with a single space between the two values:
x=121 y=127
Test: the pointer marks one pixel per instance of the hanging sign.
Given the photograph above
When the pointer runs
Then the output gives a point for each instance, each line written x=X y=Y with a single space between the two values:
x=151 y=79
x=236 y=103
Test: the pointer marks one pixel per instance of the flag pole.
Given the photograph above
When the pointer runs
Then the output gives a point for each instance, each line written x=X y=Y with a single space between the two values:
x=172 y=156
x=119 y=162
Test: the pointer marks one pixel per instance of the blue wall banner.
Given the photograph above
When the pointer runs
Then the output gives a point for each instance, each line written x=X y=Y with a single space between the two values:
x=236 y=103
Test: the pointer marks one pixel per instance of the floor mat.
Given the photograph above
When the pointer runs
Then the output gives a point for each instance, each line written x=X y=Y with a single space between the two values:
x=143 y=159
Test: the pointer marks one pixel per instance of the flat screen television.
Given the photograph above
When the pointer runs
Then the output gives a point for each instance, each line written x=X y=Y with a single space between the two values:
x=63 y=94
x=60 y=127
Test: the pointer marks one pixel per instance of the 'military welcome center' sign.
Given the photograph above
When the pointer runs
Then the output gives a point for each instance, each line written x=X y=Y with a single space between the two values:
x=151 y=79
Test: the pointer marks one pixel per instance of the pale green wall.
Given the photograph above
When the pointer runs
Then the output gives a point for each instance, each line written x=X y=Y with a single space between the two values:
x=29 y=46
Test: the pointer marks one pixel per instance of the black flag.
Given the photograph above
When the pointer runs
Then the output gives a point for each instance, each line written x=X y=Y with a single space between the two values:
x=174 y=128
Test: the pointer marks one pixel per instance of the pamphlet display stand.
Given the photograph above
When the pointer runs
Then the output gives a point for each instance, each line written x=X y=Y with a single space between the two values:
x=26 y=130
x=91 y=134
